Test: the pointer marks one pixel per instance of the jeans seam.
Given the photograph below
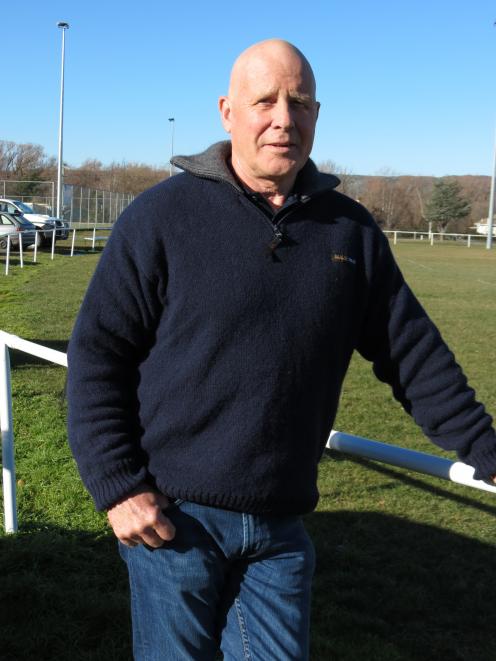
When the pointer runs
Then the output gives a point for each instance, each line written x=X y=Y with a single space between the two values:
x=244 y=548
x=245 y=641
x=139 y=631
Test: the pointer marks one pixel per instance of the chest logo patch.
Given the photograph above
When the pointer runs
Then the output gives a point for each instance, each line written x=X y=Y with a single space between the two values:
x=337 y=257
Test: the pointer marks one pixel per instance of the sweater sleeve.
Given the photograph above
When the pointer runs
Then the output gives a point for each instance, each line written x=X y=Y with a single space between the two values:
x=113 y=333
x=409 y=353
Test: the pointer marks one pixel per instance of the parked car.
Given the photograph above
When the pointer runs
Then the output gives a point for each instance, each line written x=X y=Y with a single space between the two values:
x=41 y=220
x=15 y=226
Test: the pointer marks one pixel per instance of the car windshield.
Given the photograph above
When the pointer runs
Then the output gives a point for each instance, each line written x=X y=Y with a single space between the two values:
x=23 y=207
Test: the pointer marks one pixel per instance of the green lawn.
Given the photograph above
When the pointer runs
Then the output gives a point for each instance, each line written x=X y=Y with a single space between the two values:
x=406 y=563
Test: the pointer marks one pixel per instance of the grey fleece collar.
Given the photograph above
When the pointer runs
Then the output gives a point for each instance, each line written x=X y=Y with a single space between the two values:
x=212 y=164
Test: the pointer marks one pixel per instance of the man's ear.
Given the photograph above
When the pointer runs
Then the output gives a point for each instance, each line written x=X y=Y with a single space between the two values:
x=225 y=112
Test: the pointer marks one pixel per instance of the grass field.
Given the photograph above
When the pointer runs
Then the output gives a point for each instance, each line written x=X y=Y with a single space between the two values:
x=406 y=563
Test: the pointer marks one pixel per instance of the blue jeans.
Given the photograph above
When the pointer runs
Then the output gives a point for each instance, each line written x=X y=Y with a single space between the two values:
x=236 y=581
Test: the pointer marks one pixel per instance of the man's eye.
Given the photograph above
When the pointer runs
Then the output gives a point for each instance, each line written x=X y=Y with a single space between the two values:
x=300 y=103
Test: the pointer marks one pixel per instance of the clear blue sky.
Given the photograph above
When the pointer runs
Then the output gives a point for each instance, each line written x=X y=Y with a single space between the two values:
x=404 y=85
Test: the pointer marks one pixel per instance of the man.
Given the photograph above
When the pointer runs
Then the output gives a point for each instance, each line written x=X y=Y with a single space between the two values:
x=206 y=364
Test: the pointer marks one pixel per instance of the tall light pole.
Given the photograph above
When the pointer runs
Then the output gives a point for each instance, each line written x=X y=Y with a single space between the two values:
x=490 y=216
x=60 y=178
x=171 y=120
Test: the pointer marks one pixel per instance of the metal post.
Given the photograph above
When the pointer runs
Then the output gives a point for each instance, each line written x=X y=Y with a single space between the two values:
x=7 y=433
x=489 y=242
x=21 y=251
x=73 y=241
x=7 y=256
x=60 y=178
x=172 y=122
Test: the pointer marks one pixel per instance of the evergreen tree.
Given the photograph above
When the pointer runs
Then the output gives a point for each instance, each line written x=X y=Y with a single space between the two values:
x=446 y=204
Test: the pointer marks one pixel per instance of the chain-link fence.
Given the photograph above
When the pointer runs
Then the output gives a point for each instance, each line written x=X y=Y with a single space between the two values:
x=81 y=205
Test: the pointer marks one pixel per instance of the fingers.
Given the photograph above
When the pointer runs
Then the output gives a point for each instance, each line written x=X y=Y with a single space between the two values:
x=164 y=528
x=138 y=519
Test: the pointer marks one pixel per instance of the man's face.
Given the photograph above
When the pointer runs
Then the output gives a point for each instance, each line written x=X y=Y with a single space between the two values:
x=271 y=114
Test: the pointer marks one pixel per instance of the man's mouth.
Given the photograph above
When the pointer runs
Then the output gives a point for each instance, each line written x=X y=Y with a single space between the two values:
x=281 y=145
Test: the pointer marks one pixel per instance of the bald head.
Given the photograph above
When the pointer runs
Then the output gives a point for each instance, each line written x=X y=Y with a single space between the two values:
x=270 y=112
x=264 y=54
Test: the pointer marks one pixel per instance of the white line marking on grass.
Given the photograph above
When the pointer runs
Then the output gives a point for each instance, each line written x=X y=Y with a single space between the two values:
x=485 y=282
x=427 y=268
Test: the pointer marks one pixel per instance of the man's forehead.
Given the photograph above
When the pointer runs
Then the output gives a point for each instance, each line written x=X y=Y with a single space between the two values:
x=272 y=59
x=262 y=89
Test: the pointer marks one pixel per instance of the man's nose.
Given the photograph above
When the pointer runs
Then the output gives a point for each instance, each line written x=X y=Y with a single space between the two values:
x=283 y=115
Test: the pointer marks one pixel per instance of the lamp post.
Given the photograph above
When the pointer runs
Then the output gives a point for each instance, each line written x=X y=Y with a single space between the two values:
x=171 y=120
x=60 y=177
x=490 y=216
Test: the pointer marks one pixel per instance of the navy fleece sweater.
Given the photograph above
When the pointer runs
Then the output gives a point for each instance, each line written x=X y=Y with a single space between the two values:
x=210 y=366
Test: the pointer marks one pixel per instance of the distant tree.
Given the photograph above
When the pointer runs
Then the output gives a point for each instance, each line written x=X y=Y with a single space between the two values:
x=23 y=161
x=446 y=204
x=347 y=185
x=383 y=197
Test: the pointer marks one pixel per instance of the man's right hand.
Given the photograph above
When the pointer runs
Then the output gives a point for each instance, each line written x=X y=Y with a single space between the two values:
x=138 y=518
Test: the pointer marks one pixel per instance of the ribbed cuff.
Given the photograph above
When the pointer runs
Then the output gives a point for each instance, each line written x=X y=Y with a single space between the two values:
x=108 y=488
x=483 y=459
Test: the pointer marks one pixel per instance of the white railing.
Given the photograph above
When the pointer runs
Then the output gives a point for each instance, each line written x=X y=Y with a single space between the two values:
x=429 y=237
x=454 y=471
x=7 y=342
x=93 y=238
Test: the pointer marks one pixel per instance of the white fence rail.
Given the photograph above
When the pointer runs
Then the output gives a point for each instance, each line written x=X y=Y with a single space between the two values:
x=430 y=237
x=455 y=471
x=8 y=341
x=354 y=445
x=93 y=238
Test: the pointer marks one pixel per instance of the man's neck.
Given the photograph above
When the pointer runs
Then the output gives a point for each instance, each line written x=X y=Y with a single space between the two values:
x=275 y=191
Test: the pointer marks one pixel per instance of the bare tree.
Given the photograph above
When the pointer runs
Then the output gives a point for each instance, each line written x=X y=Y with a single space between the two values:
x=348 y=180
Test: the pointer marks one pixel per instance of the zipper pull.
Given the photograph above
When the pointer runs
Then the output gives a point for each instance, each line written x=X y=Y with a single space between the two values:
x=277 y=240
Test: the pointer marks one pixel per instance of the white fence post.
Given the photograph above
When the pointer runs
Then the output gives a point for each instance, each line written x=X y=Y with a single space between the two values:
x=7 y=433
x=73 y=241
x=7 y=256
x=21 y=255
x=54 y=233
